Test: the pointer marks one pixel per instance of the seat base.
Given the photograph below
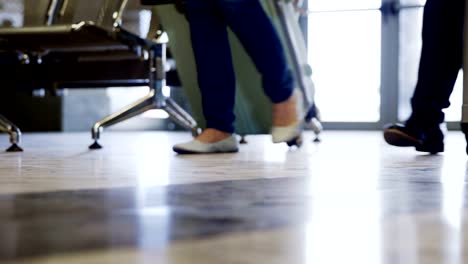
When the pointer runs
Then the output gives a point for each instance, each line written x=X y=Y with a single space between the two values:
x=8 y=127
x=153 y=100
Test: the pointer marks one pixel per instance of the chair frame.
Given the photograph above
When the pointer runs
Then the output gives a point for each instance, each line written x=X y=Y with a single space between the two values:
x=152 y=51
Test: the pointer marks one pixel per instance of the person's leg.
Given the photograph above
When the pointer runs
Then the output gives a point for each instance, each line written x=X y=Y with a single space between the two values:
x=214 y=63
x=215 y=78
x=252 y=26
x=250 y=23
x=441 y=60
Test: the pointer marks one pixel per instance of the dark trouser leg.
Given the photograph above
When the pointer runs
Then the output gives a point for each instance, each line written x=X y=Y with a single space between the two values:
x=441 y=60
x=252 y=26
x=214 y=63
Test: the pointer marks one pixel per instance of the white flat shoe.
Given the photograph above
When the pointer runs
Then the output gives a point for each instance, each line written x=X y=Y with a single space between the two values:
x=280 y=134
x=228 y=145
x=291 y=134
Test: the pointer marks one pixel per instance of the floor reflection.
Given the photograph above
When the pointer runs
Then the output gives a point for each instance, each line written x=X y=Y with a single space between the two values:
x=363 y=203
x=372 y=225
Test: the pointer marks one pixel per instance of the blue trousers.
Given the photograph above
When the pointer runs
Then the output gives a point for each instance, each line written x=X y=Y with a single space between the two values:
x=209 y=20
x=441 y=60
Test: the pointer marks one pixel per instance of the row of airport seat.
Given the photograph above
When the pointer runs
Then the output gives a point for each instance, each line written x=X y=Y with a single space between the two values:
x=83 y=44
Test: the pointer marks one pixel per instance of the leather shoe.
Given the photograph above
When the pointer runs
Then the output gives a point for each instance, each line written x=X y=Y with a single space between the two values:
x=425 y=140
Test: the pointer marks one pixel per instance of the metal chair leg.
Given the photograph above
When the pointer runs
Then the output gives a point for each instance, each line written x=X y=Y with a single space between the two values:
x=180 y=118
x=15 y=134
x=154 y=100
x=179 y=115
x=151 y=101
x=134 y=109
x=302 y=72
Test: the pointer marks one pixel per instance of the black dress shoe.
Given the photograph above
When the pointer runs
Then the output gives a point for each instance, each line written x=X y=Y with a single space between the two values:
x=427 y=140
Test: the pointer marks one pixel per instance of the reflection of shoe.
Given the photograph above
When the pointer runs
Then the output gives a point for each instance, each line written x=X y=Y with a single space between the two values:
x=227 y=145
x=428 y=140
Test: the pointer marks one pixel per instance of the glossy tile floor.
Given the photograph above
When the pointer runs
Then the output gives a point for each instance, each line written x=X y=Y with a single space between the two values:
x=349 y=199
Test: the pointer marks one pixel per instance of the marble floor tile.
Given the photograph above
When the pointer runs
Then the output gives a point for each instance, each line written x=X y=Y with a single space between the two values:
x=349 y=199
x=420 y=238
x=62 y=161
x=369 y=226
